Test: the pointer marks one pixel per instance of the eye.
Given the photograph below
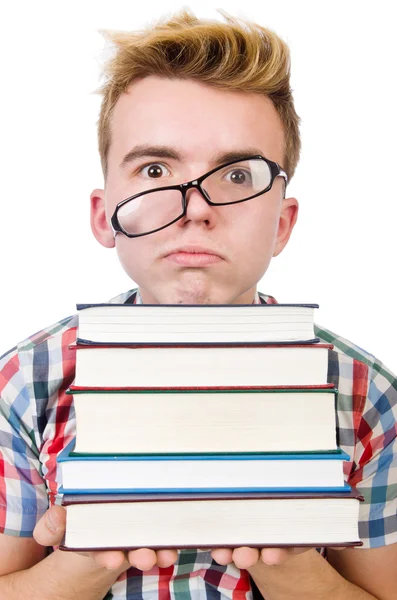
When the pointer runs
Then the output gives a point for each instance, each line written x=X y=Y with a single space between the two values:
x=154 y=171
x=238 y=176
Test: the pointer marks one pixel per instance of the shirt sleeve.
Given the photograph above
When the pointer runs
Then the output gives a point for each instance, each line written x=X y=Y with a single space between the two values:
x=375 y=475
x=23 y=493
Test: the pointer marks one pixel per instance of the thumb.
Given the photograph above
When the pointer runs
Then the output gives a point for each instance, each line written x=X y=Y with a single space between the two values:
x=50 y=529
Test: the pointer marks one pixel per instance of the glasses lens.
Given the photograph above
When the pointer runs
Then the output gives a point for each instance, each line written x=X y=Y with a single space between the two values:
x=150 y=211
x=238 y=181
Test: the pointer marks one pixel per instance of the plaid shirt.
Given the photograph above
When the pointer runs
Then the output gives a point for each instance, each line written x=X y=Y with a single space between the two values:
x=37 y=420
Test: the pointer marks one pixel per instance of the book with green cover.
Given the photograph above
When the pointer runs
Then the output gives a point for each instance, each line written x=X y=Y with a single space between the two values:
x=210 y=421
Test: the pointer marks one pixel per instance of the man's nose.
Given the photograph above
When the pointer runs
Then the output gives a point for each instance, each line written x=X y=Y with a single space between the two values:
x=197 y=199
x=197 y=207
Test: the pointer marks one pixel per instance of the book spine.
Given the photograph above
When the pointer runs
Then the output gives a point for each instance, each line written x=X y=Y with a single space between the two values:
x=175 y=497
x=76 y=346
x=75 y=389
x=194 y=546
x=82 y=342
x=276 y=490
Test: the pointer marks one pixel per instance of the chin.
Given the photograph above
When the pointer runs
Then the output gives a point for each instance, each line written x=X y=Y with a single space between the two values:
x=191 y=294
x=195 y=287
x=191 y=297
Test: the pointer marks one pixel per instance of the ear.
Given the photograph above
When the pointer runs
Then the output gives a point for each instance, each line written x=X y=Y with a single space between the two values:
x=288 y=217
x=99 y=224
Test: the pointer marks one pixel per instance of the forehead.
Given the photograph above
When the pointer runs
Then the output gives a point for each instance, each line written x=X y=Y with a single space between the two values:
x=198 y=119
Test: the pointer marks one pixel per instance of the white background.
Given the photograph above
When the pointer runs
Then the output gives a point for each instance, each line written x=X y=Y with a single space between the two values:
x=342 y=253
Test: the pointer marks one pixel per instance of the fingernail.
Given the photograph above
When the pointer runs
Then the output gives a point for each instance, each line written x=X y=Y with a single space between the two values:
x=52 y=521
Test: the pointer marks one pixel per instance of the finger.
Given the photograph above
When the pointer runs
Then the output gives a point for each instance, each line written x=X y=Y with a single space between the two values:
x=223 y=556
x=276 y=556
x=143 y=559
x=166 y=558
x=112 y=559
x=245 y=557
x=50 y=529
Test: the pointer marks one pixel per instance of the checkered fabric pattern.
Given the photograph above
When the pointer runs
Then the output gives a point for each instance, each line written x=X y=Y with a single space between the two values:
x=37 y=420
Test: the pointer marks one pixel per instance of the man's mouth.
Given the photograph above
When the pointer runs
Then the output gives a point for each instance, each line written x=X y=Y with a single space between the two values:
x=193 y=256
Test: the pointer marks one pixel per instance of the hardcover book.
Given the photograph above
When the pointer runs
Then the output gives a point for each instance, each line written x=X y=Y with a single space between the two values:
x=210 y=520
x=175 y=421
x=201 y=365
x=202 y=472
x=162 y=324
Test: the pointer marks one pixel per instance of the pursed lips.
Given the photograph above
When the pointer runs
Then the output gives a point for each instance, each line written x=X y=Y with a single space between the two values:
x=193 y=256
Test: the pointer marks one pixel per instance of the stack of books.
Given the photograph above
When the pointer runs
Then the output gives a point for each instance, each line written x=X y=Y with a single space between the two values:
x=204 y=426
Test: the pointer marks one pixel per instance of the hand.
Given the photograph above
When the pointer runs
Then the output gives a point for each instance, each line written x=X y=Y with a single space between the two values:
x=245 y=558
x=50 y=530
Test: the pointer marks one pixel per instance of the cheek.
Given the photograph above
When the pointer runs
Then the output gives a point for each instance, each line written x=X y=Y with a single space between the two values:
x=132 y=253
x=255 y=223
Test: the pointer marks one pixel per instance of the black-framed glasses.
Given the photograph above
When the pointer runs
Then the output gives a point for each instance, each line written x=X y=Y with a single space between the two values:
x=237 y=181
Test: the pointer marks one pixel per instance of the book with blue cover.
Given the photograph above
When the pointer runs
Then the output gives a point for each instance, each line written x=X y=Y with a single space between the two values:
x=288 y=472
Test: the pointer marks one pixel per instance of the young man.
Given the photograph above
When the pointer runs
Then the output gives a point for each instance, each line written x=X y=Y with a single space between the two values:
x=183 y=100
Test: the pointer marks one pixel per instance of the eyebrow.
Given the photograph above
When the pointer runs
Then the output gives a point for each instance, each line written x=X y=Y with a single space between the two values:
x=146 y=151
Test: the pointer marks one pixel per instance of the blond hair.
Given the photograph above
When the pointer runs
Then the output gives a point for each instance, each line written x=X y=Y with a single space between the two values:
x=236 y=55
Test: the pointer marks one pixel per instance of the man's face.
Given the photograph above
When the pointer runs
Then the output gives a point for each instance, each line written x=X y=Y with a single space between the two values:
x=214 y=254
